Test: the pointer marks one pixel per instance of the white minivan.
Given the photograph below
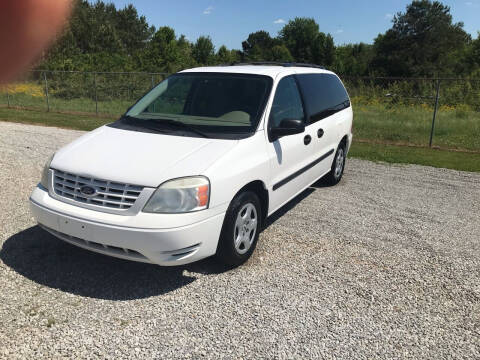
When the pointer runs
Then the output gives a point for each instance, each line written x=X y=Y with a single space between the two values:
x=195 y=167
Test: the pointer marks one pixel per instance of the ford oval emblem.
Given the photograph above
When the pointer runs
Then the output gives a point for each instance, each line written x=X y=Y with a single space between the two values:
x=88 y=190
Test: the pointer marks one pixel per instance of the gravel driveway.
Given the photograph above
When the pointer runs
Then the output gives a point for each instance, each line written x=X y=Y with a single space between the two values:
x=386 y=264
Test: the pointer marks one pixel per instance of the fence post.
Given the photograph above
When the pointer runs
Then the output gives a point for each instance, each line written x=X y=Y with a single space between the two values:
x=434 y=113
x=153 y=85
x=8 y=96
x=95 y=86
x=46 y=90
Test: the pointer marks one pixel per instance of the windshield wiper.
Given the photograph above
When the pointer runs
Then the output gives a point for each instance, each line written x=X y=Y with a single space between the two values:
x=181 y=125
x=155 y=125
x=131 y=121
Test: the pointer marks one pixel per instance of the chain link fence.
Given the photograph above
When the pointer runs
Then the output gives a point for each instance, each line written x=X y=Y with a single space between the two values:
x=99 y=93
x=416 y=111
x=405 y=111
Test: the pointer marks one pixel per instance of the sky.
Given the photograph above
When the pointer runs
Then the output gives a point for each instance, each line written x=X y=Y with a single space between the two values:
x=229 y=22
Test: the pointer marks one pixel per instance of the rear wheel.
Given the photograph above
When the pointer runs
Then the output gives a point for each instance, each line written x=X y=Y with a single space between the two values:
x=336 y=172
x=240 y=230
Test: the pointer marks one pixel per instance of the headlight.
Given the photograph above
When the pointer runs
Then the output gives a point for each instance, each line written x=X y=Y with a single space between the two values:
x=180 y=196
x=44 y=181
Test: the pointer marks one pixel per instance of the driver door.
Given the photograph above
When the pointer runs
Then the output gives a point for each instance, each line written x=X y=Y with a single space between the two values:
x=290 y=156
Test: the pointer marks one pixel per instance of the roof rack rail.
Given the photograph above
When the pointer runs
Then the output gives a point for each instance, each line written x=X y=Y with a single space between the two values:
x=278 y=63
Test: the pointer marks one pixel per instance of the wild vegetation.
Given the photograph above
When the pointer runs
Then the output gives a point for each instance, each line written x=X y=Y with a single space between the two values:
x=422 y=42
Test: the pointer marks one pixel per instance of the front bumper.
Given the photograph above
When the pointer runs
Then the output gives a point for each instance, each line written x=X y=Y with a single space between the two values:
x=114 y=235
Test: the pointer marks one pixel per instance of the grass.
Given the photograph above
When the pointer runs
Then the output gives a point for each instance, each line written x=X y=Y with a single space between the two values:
x=416 y=155
x=84 y=105
x=403 y=125
x=455 y=128
x=68 y=121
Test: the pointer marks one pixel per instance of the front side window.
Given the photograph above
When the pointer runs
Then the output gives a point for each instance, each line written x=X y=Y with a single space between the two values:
x=324 y=95
x=287 y=103
x=218 y=105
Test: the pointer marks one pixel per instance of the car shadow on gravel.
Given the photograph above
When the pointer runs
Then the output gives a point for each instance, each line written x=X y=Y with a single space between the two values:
x=46 y=260
x=295 y=201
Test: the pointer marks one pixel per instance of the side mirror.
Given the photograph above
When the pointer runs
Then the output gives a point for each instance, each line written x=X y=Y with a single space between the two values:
x=287 y=127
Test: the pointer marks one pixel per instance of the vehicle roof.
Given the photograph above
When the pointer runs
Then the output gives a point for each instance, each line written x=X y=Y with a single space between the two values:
x=269 y=70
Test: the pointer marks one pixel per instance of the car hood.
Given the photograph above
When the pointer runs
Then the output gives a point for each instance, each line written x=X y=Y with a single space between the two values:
x=138 y=158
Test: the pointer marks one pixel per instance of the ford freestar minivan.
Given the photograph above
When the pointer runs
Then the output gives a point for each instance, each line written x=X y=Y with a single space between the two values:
x=194 y=168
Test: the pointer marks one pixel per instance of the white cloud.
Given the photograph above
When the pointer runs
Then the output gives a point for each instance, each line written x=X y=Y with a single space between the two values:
x=388 y=16
x=339 y=31
x=469 y=3
x=208 y=10
x=279 y=21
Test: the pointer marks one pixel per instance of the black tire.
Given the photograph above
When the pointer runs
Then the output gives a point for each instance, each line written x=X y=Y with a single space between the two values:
x=232 y=247
x=335 y=174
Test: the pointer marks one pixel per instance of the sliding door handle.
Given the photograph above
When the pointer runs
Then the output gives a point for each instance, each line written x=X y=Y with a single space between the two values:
x=307 y=139
x=320 y=133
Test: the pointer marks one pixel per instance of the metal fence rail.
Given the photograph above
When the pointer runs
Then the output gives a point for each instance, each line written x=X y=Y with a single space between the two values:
x=107 y=93
x=443 y=112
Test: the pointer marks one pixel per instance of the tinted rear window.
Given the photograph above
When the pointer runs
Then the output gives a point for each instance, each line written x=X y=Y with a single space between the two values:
x=323 y=94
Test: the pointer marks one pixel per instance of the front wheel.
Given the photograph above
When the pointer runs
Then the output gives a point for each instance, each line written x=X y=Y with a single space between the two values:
x=240 y=230
x=338 y=166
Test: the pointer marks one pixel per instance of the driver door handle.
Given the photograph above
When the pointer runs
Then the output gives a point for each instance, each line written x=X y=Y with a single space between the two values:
x=307 y=139
x=320 y=133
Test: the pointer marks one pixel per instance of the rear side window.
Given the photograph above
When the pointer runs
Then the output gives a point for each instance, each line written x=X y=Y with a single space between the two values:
x=324 y=95
x=287 y=103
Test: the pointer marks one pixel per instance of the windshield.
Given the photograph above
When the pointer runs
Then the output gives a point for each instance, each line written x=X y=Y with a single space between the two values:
x=210 y=104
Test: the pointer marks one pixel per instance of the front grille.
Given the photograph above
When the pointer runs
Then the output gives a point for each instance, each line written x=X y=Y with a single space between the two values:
x=108 y=194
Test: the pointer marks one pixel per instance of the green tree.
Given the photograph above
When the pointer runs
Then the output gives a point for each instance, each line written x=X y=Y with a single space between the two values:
x=280 y=53
x=132 y=29
x=203 y=51
x=93 y=27
x=225 y=56
x=353 y=59
x=258 y=46
x=164 y=53
x=423 y=41
x=473 y=54
x=323 y=50
x=185 y=48
x=96 y=30
x=306 y=43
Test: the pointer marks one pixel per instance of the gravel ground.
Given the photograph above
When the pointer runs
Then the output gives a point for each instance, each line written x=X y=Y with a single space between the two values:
x=384 y=265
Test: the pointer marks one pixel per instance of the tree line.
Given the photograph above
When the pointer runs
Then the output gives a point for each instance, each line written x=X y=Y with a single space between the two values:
x=423 y=41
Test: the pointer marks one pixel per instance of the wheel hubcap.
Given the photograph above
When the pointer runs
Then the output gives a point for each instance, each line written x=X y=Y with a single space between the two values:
x=245 y=228
x=339 y=163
